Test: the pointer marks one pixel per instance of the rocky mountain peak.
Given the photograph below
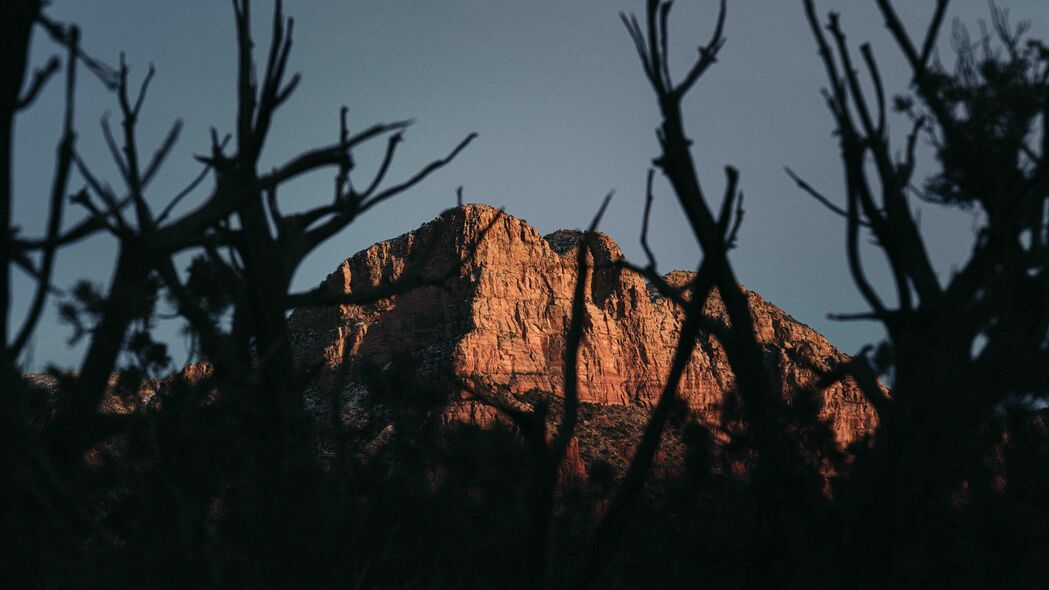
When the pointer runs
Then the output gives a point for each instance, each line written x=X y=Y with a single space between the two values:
x=499 y=317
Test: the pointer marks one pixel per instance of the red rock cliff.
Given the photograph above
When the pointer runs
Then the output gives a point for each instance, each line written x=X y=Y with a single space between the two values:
x=501 y=314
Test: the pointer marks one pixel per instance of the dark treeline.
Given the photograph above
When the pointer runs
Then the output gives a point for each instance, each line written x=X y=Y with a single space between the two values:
x=225 y=479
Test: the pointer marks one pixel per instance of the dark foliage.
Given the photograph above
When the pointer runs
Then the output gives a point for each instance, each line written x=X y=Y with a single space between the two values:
x=117 y=476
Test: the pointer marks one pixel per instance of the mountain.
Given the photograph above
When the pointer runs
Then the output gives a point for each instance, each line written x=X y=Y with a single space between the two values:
x=492 y=315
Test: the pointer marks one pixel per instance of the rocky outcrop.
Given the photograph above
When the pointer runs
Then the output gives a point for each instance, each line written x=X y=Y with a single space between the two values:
x=495 y=311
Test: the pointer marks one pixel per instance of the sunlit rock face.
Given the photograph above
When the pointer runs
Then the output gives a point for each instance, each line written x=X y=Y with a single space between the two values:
x=496 y=315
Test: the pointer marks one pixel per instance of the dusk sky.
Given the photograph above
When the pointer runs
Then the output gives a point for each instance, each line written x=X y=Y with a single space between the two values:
x=563 y=112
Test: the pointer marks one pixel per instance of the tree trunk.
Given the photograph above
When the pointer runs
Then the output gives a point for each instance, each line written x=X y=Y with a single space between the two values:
x=75 y=423
x=16 y=27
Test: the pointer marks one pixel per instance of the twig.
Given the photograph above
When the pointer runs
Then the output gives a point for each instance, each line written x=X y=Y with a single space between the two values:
x=40 y=79
x=819 y=196
x=645 y=219
x=58 y=191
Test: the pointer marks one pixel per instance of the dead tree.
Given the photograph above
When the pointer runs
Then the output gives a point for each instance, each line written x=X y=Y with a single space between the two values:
x=241 y=217
x=19 y=19
x=963 y=347
x=780 y=467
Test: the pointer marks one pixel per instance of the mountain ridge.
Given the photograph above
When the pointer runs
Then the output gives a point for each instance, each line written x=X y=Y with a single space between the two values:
x=498 y=317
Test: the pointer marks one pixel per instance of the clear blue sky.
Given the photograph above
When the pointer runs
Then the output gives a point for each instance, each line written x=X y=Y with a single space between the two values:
x=559 y=100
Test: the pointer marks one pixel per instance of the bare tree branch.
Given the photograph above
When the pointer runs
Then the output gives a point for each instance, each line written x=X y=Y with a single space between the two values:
x=391 y=148
x=879 y=89
x=64 y=161
x=193 y=184
x=645 y=219
x=40 y=79
x=344 y=214
x=162 y=153
x=819 y=196
x=725 y=215
x=552 y=455
x=326 y=156
x=105 y=193
x=418 y=177
x=634 y=28
x=610 y=529
x=62 y=35
x=130 y=165
x=708 y=53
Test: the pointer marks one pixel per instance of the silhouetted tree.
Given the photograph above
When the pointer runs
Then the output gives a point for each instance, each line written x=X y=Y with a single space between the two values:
x=960 y=352
x=960 y=356
x=780 y=470
x=239 y=230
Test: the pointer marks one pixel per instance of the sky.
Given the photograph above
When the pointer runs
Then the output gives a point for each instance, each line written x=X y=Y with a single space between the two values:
x=563 y=114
